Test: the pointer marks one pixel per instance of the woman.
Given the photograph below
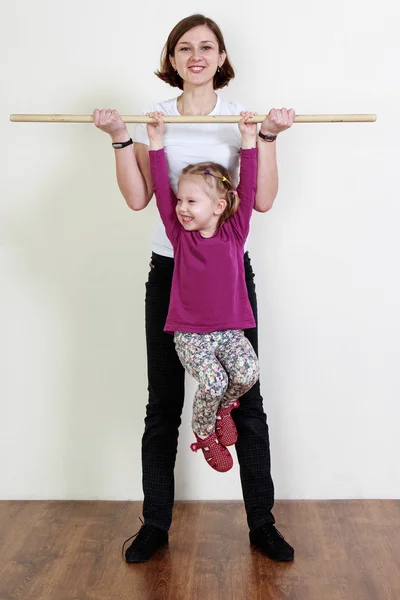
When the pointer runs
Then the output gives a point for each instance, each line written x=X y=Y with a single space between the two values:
x=195 y=60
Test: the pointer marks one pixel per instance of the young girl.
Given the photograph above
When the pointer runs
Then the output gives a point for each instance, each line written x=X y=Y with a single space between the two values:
x=207 y=224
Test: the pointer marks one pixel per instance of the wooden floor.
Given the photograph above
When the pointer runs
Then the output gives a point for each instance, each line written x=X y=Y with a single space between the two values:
x=345 y=550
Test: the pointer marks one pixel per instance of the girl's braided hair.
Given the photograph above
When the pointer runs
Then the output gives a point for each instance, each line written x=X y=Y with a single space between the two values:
x=217 y=184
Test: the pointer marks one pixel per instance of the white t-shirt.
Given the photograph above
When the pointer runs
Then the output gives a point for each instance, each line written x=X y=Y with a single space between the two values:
x=191 y=143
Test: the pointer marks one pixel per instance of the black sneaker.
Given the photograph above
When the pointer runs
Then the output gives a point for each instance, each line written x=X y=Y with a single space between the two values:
x=268 y=539
x=147 y=540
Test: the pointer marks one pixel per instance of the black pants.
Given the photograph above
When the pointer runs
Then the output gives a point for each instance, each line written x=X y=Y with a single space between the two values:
x=163 y=413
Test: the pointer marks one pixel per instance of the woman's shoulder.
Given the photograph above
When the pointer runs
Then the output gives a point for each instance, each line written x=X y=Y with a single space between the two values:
x=229 y=107
x=168 y=107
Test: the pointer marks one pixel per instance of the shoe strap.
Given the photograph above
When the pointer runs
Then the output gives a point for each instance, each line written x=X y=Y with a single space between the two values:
x=206 y=443
x=227 y=410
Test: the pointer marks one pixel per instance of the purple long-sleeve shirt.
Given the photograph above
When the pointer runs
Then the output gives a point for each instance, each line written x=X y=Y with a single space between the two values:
x=209 y=290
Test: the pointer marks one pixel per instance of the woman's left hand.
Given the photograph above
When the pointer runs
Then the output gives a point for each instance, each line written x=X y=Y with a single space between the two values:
x=278 y=120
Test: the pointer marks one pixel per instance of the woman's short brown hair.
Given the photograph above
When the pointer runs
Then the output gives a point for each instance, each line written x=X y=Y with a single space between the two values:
x=168 y=74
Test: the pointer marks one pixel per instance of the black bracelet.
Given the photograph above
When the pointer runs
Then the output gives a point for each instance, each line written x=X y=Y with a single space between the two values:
x=267 y=137
x=117 y=145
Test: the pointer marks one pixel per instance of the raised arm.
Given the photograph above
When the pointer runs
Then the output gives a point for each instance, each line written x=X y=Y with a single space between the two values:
x=133 y=172
x=267 y=179
x=165 y=197
x=248 y=176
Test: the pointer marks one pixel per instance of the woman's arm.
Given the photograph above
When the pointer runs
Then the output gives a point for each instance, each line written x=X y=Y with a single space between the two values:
x=267 y=178
x=130 y=178
x=132 y=181
x=142 y=158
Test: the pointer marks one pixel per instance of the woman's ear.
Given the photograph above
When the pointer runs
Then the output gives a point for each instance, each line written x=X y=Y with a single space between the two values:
x=172 y=61
x=222 y=58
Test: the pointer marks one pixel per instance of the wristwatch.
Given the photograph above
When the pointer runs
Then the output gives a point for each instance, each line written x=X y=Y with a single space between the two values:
x=267 y=137
x=117 y=145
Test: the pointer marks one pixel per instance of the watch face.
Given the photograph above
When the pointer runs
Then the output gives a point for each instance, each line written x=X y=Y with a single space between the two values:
x=266 y=136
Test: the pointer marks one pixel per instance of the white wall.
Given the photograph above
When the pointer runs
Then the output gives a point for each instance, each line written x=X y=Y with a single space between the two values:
x=74 y=258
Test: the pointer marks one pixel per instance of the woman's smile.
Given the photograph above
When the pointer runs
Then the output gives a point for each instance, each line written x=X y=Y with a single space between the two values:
x=196 y=68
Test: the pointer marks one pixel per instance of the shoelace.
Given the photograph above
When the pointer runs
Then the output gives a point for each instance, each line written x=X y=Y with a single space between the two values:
x=271 y=531
x=131 y=538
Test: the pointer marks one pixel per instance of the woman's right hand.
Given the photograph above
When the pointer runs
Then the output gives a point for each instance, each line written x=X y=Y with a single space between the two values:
x=110 y=122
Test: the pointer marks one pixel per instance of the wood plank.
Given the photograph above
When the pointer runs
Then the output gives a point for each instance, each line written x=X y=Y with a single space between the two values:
x=345 y=550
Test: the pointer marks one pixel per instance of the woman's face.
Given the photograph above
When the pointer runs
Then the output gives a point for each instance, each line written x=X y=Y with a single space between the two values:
x=196 y=56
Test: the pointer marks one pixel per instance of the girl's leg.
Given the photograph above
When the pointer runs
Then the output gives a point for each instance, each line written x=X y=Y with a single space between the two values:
x=239 y=360
x=197 y=354
x=166 y=395
x=252 y=446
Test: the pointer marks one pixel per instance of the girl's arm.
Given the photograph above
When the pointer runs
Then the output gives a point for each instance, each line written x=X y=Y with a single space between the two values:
x=248 y=177
x=165 y=197
x=246 y=191
x=133 y=185
x=267 y=178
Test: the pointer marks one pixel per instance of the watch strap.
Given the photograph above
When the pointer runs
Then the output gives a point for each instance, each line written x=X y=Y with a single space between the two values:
x=117 y=145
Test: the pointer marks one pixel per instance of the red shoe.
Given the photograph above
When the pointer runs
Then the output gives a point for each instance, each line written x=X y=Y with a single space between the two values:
x=225 y=427
x=217 y=456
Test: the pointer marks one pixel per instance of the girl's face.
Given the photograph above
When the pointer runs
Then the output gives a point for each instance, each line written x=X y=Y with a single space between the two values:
x=196 y=56
x=195 y=210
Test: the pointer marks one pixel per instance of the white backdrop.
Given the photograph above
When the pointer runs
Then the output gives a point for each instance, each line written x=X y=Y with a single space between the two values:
x=74 y=258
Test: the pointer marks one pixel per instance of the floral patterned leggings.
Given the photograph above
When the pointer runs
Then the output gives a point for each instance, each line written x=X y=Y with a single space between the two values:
x=225 y=365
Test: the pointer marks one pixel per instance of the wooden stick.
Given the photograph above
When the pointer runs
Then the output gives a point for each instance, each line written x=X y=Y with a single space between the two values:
x=192 y=119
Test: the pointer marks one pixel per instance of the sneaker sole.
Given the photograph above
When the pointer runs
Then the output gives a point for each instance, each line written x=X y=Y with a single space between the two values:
x=143 y=560
x=262 y=551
